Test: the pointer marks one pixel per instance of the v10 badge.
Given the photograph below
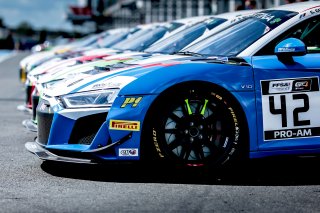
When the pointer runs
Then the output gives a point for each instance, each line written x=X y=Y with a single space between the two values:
x=290 y=108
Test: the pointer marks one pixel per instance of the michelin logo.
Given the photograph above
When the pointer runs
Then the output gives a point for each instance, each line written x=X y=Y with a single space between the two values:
x=280 y=86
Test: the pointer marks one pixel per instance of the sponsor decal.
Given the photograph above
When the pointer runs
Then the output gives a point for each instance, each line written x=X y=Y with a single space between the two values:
x=280 y=86
x=317 y=10
x=156 y=144
x=290 y=108
x=73 y=83
x=286 y=49
x=107 y=85
x=236 y=126
x=116 y=82
x=292 y=133
x=289 y=86
x=302 y=15
x=128 y=152
x=133 y=102
x=263 y=16
x=124 y=125
x=240 y=18
x=302 y=85
x=313 y=10
x=276 y=20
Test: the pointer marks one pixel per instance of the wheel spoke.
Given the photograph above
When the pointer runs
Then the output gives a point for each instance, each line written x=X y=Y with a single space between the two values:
x=215 y=110
x=185 y=152
x=198 y=109
x=188 y=151
x=175 y=118
x=174 y=144
x=184 y=108
x=199 y=152
x=210 y=118
x=172 y=131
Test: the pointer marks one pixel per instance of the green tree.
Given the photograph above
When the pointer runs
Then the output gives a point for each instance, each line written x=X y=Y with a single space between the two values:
x=24 y=28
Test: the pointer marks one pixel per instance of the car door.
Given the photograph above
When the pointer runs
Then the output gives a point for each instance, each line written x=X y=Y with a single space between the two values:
x=287 y=93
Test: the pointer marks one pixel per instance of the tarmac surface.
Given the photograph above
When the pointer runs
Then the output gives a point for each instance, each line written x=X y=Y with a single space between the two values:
x=29 y=185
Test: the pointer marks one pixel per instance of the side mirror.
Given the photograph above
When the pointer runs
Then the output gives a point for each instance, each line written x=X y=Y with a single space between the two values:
x=288 y=48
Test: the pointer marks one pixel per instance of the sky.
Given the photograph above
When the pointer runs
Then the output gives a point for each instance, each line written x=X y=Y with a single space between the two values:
x=41 y=14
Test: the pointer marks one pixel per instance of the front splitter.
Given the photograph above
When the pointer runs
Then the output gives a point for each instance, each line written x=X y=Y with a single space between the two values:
x=44 y=154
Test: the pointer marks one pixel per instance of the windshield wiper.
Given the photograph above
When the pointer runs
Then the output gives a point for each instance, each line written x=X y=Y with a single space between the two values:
x=188 y=53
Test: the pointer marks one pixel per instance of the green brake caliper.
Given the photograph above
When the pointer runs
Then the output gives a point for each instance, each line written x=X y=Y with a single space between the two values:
x=204 y=107
x=188 y=107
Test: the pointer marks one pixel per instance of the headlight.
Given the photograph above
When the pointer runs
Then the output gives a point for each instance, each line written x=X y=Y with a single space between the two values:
x=98 y=98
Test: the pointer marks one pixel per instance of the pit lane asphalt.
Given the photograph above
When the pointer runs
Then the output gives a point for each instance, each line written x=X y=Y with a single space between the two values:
x=28 y=185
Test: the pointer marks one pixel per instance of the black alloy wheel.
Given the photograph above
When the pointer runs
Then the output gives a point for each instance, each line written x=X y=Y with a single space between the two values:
x=195 y=126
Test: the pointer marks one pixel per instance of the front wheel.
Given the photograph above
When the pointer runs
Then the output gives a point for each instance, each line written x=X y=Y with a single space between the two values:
x=195 y=126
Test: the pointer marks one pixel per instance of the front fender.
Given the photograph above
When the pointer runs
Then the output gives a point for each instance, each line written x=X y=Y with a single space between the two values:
x=132 y=114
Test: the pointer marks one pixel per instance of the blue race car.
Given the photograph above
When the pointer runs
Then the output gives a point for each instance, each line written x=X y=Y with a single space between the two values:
x=259 y=99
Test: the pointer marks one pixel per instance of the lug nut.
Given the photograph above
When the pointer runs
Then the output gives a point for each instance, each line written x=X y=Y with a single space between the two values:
x=186 y=132
x=191 y=139
x=200 y=137
x=191 y=123
x=200 y=127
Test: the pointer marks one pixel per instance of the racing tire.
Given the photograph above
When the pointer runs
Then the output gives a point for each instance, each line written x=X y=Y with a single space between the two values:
x=195 y=126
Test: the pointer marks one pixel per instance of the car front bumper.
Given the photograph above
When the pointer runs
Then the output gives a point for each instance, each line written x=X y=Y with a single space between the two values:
x=86 y=134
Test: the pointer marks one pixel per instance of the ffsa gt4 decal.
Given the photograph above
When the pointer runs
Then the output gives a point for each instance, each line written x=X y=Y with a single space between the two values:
x=290 y=108
x=124 y=125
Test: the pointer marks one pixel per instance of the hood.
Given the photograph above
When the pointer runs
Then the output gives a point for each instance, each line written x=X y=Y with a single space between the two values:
x=100 y=51
x=35 y=57
x=51 y=65
x=100 y=81
x=125 y=55
x=107 y=64
x=71 y=53
x=67 y=72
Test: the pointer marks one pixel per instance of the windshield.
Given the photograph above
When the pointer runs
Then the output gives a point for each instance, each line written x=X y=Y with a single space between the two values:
x=173 y=26
x=236 y=38
x=180 y=40
x=85 y=41
x=142 y=39
x=131 y=38
x=112 y=39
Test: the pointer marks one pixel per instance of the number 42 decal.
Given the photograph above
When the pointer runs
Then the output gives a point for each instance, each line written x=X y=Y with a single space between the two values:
x=283 y=110
x=290 y=108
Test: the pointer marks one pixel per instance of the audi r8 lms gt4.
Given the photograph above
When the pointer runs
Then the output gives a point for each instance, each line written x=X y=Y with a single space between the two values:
x=254 y=92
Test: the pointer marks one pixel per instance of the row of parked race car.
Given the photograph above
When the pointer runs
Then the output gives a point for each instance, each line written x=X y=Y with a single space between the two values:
x=196 y=91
